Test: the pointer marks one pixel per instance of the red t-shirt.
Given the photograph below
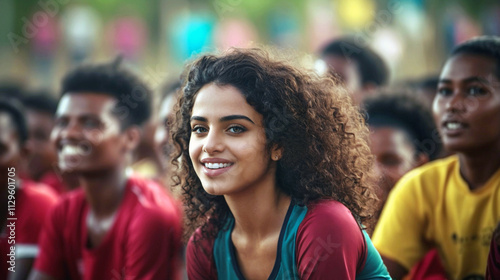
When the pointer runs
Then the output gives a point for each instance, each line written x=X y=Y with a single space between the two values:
x=32 y=204
x=144 y=241
x=52 y=180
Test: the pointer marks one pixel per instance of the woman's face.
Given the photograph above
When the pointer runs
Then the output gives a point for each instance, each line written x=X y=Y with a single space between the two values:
x=228 y=142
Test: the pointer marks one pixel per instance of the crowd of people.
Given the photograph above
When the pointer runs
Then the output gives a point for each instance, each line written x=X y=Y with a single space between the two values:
x=250 y=166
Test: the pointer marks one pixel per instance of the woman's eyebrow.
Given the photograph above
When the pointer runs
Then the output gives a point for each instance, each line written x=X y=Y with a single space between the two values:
x=223 y=119
x=198 y=118
x=235 y=117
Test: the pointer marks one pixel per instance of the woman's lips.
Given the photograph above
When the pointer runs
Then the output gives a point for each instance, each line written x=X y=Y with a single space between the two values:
x=213 y=169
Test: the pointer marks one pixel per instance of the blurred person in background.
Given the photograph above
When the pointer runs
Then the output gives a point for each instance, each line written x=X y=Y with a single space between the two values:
x=151 y=159
x=451 y=204
x=362 y=71
x=165 y=121
x=163 y=140
x=146 y=161
x=425 y=89
x=402 y=133
x=402 y=137
x=25 y=201
x=41 y=165
x=115 y=225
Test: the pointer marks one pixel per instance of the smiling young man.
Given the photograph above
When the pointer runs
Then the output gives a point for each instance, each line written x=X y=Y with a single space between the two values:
x=116 y=226
x=452 y=204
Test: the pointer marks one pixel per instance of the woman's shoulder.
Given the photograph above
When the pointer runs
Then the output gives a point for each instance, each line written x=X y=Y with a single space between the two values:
x=328 y=209
x=327 y=216
x=199 y=257
x=329 y=238
x=198 y=241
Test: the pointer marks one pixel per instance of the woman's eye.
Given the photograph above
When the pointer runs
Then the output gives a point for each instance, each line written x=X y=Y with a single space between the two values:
x=236 y=129
x=198 y=129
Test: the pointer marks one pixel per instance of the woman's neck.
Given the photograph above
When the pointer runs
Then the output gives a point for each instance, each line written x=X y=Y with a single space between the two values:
x=478 y=168
x=260 y=212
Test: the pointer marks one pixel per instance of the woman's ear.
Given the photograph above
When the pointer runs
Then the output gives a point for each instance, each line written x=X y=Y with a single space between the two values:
x=276 y=152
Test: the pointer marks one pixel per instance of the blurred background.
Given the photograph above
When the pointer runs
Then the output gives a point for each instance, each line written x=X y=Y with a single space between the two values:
x=41 y=39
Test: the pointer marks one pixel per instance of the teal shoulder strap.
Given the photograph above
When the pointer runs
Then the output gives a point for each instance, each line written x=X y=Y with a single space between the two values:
x=288 y=269
x=223 y=253
x=374 y=266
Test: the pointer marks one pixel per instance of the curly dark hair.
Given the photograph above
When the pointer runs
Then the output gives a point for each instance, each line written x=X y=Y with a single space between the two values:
x=371 y=66
x=408 y=113
x=113 y=79
x=482 y=45
x=323 y=136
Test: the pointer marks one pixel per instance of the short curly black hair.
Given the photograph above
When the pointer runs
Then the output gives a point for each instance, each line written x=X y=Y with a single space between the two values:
x=15 y=110
x=482 y=45
x=408 y=113
x=132 y=94
x=40 y=101
x=371 y=66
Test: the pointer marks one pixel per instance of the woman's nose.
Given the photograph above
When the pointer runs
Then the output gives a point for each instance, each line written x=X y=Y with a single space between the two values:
x=214 y=142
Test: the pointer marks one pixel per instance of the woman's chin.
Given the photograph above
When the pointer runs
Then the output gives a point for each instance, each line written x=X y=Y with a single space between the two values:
x=215 y=190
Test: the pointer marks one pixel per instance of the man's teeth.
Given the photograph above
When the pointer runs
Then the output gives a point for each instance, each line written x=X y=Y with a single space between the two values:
x=71 y=150
x=453 y=125
x=210 y=165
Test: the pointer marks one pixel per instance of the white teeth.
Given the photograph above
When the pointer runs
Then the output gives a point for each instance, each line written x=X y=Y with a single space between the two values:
x=210 y=165
x=72 y=150
x=453 y=125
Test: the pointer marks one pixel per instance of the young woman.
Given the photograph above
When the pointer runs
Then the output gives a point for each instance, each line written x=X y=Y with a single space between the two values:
x=275 y=173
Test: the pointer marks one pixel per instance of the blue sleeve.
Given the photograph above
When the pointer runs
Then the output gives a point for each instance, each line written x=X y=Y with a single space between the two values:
x=374 y=266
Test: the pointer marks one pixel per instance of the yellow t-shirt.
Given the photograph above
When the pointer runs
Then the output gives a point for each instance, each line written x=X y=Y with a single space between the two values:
x=432 y=206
